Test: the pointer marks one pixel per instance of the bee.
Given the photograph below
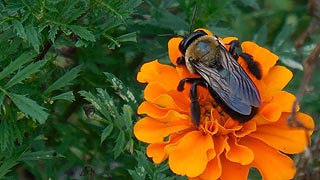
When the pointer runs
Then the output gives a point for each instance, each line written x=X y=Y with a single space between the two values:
x=221 y=74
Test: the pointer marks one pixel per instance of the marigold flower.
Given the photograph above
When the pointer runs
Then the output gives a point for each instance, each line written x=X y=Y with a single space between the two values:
x=220 y=148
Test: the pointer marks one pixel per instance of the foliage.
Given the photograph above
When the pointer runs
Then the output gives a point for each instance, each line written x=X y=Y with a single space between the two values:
x=68 y=94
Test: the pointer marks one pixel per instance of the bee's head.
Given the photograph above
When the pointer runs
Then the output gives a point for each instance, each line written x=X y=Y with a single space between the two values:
x=185 y=43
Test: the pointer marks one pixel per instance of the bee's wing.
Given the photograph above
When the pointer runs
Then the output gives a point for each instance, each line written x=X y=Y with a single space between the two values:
x=231 y=83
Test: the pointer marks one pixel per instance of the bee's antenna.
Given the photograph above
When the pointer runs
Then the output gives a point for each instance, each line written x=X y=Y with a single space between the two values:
x=193 y=17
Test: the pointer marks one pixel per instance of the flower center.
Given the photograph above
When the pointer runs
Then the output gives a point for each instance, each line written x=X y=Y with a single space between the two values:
x=212 y=116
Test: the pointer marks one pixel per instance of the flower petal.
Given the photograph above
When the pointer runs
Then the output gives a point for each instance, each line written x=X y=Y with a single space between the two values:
x=238 y=153
x=271 y=163
x=159 y=113
x=285 y=100
x=172 y=99
x=151 y=131
x=233 y=171
x=271 y=112
x=173 y=49
x=156 y=152
x=277 y=78
x=213 y=169
x=189 y=156
x=262 y=55
x=155 y=72
x=281 y=136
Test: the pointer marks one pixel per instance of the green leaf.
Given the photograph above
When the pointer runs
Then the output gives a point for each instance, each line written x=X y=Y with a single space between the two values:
x=8 y=163
x=261 y=36
x=130 y=37
x=39 y=155
x=65 y=80
x=82 y=32
x=106 y=132
x=126 y=115
x=1 y=100
x=33 y=37
x=68 y=96
x=53 y=32
x=291 y=63
x=6 y=135
x=120 y=88
x=19 y=28
x=17 y=63
x=120 y=143
x=25 y=73
x=287 y=29
x=97 y=103
x=29 y=107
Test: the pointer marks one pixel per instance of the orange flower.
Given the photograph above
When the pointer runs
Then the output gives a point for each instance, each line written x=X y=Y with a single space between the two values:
x=220 y=148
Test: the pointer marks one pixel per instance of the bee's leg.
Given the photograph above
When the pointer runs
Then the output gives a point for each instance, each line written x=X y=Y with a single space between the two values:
x=194 y=105
x=189 y=80
x=181 y=61
x=232 y=50
x=253 y=66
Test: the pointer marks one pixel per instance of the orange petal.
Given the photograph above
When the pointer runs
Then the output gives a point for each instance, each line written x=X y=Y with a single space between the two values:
x=163 y=74
x=173 y=99
x=238 y=153
x=285 y=100
x=173 y=49
x=271 y=163
x=271 y=112
x=227 y=40
x=262 y=55
x=277 y=78
x=152 y=131
x=213 y=169
x=189 y=156
x=161 y=114
x=246 y=129
x=233 y=171
x=283 y=137
x=156 y=152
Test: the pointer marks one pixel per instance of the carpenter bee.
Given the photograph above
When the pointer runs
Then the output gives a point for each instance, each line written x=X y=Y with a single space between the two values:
x=221 y=74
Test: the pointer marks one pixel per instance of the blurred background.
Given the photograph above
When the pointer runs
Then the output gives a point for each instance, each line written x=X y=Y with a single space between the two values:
x=68 y=89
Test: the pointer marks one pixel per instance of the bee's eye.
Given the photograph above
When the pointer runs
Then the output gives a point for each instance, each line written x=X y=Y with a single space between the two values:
x=185 y=43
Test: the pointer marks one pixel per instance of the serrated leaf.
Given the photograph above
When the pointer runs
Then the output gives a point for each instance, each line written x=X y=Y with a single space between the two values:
x=67 y=96
x=130 y=37
x=65 y=80
x=97 y=103
x=25 y=73
x=17 y=63
x=29 y=107
x=33 y=37
x=39 y=155
x=52 y=33
x=8 y=163
x=6 y=135
x=82 y=32
x=120 y=88
x=126 y=115
x=120 y=143
x=19 y=28
x=106 y=132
